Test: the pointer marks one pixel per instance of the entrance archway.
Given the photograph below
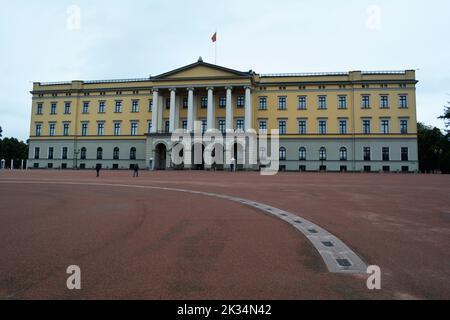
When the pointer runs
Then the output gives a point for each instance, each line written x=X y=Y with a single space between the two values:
x=198 y=160
x=160 y=156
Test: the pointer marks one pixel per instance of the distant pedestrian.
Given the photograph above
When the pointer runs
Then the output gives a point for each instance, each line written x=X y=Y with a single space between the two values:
x=97 y=168
x=136 y=171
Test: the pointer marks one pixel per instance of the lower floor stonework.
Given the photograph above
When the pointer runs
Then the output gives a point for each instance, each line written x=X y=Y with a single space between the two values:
x=157 y=151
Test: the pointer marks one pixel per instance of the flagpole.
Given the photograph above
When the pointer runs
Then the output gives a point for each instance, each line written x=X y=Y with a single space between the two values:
x=215 y=48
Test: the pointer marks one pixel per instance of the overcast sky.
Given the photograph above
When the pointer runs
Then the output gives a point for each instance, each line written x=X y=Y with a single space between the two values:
x=43 y=41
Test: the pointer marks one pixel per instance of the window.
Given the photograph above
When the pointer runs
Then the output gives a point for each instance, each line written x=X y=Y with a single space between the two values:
x=403 y=126
x=404 y=154
x=262 y=103
x=53 y=108
x=52 y=129
x=302 y=154
x=38 y=129
x=343 y=154
x=37 y=152
x=204 y=125
x=262 y=126
x=83 y=153
x=185 y=102
x=366 y=153
x=84 y=129
x=133 y=153
x=204 y=102
x=135 y=106
x=302 y=126
x=384 y=102
x=302 y=103
x=116 y=152
x=403 y=101
x=221 y=125
x=282 y=153
x=149 y=127
x=166 y=126
x=86 y=107
x=322 y=154
x=99 y=153
x=64 y=153
x=385 y=126
x=282 y=126
x=117 y=128
x=100 y=129
x=39 y=108
x=282 y=105
x=322 y=127
x=239 y=125
x=150 y=105
x=66 y=129
x=343 y=126
x=67 y=108
x=385 y=154
x=322 y=103
x=366 y=126
x=222 y=102
x=365 y=101
x=342 y=102
x=240 y=103
x=134 y=128
x=184 y=124
x=168 y=103
x=118 y=107
x=50 y=153
x=101 y=107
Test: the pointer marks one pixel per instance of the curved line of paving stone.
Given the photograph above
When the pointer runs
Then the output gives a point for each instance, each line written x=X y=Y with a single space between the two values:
x=338 y=257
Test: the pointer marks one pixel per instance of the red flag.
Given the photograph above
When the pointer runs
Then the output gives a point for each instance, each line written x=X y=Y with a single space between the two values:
x=214 y=37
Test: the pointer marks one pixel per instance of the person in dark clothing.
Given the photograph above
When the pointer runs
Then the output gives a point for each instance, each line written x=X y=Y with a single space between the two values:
x=136 y=171
x=97 y=168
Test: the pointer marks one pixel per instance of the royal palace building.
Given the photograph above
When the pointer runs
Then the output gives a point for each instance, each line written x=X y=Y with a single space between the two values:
x=340 y=121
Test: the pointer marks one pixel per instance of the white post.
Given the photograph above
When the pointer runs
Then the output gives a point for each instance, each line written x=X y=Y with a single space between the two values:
x=229 y=110
x=211 y=116
x=155 y=111
x=248 y=109
x=21 y=165
x=12 y=164
x=172 y=110
x=190 y=112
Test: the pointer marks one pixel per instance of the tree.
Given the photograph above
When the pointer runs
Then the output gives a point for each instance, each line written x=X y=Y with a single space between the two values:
x=13 y=149
x=446 y=117
x=434 y=149
x=1 y=130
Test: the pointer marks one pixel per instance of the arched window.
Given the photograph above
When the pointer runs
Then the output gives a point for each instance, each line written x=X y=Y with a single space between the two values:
x=116 y=153
x=133 y=153
x=83 y=153
x=302 y=154
x=99 y=153
x=323 y=154
x=282 y=153
x=343 y=154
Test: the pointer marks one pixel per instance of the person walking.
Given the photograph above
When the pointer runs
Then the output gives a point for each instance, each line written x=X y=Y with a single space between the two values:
x=136 y=171
x=97 y=168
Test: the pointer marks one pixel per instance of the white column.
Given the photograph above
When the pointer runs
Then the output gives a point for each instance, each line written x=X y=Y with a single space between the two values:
x=190 y=111
x=229 y=110
x=172 y=110
x=155 y=107
x=248 y=109
x=211 y=116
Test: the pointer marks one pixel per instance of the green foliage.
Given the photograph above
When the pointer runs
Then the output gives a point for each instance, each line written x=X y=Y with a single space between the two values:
x=11 y=148
x=446 y=117
x=434 y=149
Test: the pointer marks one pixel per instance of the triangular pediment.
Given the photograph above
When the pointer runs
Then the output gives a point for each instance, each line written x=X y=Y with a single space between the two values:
x=200 y=70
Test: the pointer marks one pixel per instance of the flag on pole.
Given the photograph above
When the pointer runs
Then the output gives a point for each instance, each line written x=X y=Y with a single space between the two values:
x=214 y=37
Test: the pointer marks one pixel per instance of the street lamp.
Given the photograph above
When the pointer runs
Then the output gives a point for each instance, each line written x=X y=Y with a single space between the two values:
x=76 y=152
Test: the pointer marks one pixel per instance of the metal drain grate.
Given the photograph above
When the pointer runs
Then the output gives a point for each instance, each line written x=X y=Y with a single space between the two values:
x=344 y=262
x=328 y=244
x=298 y=221
x=312 y=230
